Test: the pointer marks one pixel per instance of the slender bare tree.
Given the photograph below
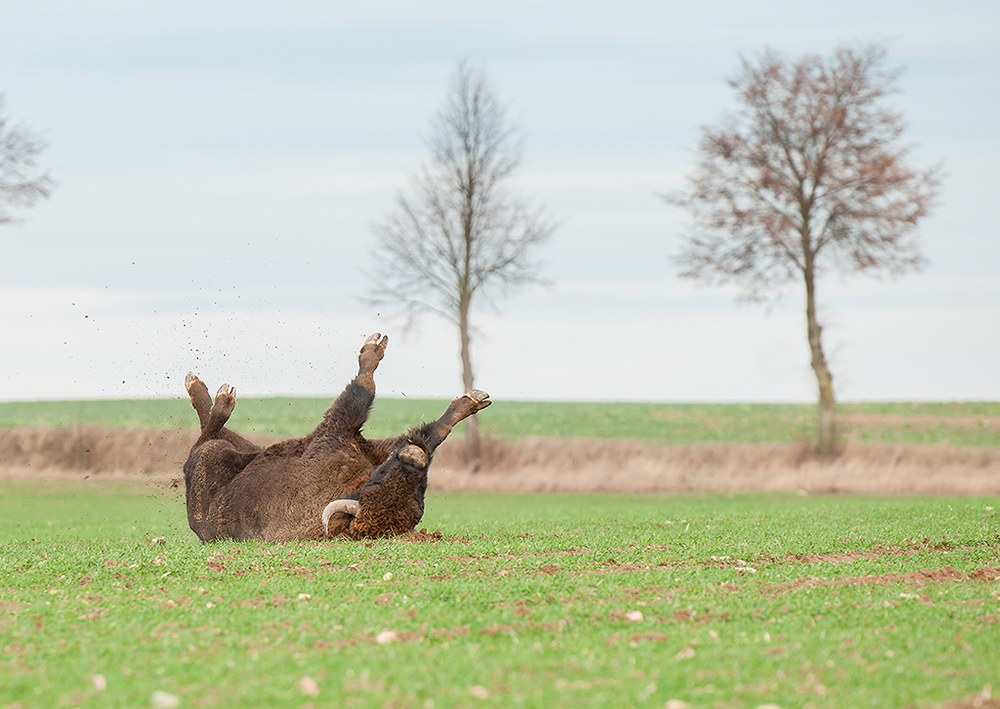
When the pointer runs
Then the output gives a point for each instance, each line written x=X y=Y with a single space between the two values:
x=808 y=174
x=460 y=238
x=21 y=185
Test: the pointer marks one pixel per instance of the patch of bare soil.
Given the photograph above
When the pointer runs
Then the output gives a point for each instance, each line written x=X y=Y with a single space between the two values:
x=914 y=579
x=980 y=702
x=550 y=464
x=421 y=536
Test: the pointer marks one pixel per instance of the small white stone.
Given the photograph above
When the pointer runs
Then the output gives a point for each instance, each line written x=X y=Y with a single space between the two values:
x=100 y=682
x=385 y=637
x=479 y=691
x=165 y=700
x=634 y=616
x=307 y=685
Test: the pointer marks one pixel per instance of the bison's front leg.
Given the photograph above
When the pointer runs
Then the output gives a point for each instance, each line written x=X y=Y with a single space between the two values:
x=348 y=413
x=371 y=354
x=460 y=409
x=430 y=435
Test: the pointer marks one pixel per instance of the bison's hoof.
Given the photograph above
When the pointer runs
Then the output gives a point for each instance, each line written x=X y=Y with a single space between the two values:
x=375 y=343
x=480 y=399
x=225 y=401
x=414 y=455
x=191 y=382
x=372 y=352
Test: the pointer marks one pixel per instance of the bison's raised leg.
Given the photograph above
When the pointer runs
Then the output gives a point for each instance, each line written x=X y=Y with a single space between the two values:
x=217 y=456
x=200 y=398
x=371 y=354
x=213 y=416
x=432 y=434
x=218 y=415
x=460 y=409
x=350 y=411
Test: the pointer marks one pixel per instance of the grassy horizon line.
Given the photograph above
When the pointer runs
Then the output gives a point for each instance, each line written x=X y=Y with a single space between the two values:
x=664 y=423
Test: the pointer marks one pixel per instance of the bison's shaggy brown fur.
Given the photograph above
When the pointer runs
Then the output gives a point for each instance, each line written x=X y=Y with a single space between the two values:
x=332 y=482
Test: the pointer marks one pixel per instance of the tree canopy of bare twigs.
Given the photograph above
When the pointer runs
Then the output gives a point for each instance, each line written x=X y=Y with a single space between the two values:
x=807 y=175
x=460 y=238
x=21 y=184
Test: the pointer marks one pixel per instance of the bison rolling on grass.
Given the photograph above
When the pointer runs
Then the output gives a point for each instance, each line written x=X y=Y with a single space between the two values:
x=332 y=482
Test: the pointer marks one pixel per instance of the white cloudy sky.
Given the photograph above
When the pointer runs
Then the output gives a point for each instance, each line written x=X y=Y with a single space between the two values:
x=220 y=164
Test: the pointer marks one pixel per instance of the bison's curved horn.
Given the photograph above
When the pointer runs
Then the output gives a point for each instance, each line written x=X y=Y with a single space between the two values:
x=350 y=507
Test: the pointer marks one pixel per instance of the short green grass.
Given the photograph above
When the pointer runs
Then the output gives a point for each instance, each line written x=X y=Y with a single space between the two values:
x=526 y=601
x=970 y=423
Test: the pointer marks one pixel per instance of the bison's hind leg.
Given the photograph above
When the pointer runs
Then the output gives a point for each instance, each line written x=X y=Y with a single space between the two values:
x=200 y=398
x=209 y=468
x=222 y=409
x=212 y=415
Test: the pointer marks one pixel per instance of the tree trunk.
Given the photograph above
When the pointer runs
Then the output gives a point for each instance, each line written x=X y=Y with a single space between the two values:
x=827 y=446
x=472 y=447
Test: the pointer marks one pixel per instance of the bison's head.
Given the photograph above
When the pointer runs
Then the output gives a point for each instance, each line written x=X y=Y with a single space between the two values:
x=390 y=503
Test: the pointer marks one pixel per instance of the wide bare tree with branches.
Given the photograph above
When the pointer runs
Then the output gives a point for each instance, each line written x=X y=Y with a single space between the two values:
x=808 y=174
x=21 y=182
x=460 y=238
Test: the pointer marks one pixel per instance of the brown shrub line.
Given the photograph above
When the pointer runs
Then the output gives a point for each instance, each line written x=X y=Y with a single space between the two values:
x=49 y=452
x=552 y=464
x=624 y=465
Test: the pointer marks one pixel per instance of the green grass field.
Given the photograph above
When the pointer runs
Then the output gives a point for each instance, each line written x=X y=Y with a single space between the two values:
x=539 y=601
x=966 y=424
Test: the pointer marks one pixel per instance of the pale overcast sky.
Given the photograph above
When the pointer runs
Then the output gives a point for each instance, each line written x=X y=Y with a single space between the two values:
x=220 y=164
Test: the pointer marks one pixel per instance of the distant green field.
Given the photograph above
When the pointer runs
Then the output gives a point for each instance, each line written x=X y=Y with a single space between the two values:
x=965 y=424
x=529 y=600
